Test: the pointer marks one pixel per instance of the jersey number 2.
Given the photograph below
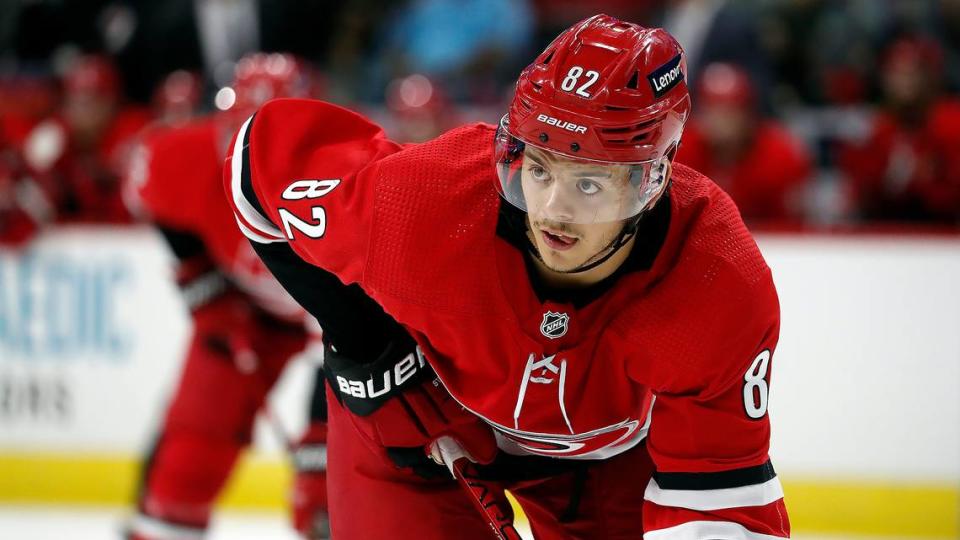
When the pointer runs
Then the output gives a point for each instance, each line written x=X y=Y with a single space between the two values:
x=755 y=387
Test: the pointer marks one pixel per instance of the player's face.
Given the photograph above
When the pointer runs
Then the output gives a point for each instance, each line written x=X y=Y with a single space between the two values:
x=573 y=207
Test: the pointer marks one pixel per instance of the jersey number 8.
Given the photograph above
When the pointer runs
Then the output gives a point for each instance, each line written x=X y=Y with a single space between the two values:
x=755 y=388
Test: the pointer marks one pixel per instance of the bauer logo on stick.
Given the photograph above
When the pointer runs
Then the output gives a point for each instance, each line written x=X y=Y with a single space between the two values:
x=666 y=77
x=554 y=324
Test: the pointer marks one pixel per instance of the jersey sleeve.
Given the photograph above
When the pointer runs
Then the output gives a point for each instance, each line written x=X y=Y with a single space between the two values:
x=304 y=172
x=710 y=432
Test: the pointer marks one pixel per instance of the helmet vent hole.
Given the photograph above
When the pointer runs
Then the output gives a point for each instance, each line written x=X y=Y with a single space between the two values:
x=634 y=81
x=548 y=58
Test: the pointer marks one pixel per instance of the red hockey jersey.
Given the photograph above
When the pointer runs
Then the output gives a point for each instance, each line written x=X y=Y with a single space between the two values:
x=676 y=351
x=175 y=180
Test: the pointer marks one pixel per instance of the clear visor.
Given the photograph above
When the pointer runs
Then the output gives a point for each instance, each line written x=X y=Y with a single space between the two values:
x=556 y=187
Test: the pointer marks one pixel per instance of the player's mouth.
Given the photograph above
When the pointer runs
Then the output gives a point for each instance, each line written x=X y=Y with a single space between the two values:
x=557 y=240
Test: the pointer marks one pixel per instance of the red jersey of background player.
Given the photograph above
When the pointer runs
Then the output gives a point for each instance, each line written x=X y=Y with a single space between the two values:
x=177 y=193
x=674 y=348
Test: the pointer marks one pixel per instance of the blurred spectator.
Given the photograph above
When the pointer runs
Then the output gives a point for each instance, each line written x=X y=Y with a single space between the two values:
x=719 y=31
x=471 y=47
x=908 y=167
x=81 y=151
x=754 y=159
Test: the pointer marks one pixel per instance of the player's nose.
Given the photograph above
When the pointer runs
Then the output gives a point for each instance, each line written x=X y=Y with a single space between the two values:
x=557 y=205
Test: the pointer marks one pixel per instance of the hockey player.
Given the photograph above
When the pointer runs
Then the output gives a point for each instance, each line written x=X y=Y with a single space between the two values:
x=79 y=155
x=245 y=327
x=599 y=321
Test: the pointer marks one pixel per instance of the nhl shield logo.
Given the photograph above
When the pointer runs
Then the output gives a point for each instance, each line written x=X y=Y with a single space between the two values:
x=554 y=324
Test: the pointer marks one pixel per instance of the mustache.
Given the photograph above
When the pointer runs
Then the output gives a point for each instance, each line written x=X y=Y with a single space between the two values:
x=559 y=226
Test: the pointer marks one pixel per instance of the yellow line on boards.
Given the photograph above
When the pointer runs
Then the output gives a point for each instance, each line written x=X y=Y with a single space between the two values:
x=262 y=482
x=874 y=508
x=104 y=479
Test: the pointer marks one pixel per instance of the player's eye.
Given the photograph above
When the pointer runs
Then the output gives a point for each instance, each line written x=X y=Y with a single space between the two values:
x=588 y=187
x=538 y=173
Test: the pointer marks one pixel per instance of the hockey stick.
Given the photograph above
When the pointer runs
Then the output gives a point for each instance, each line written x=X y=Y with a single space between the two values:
x=487 y=496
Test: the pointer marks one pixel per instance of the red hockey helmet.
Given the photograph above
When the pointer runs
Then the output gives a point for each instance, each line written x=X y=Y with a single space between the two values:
x=260 y=77
x=604 y=92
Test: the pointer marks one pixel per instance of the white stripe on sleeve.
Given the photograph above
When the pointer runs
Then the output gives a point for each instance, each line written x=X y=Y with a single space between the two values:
x=714 y=530
x=715 y=499
x=264 y=229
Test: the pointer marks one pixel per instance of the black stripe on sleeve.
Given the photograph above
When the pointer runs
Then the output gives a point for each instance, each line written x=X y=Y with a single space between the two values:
x=719 y=480
x=246 y=183
x=351 y=320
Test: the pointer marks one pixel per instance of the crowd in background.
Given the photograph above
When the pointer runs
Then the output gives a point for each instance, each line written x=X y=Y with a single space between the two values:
x=810 y=113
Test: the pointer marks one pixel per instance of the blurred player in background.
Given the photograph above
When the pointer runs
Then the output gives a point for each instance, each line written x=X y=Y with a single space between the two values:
x=755 y=160
x=245 y=327
x=81 y=153
x=908 y=166
x=587 y=318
